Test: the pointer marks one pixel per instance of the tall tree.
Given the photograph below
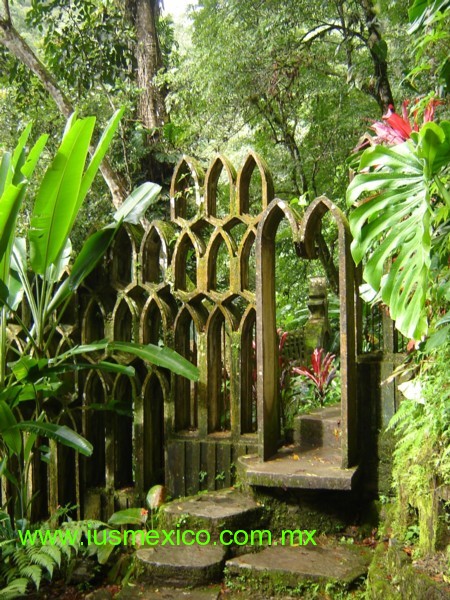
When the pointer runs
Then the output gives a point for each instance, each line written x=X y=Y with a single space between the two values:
x=151 y=107
x=97 y=55
x=298 y=74
x=21 y=50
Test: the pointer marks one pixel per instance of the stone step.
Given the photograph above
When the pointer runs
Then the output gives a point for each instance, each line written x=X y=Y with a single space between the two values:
x=294 y=568
x=141 y=591
x=290 y=467
x=319 y=429
x=213 y=511
x=180 y=565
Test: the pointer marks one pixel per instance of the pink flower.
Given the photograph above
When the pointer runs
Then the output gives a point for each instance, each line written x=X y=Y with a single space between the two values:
x=395 y=129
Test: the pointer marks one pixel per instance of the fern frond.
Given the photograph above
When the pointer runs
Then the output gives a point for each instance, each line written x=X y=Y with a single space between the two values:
x=33 y=572
x=43 y=560
x=53 y=552
x=15 y=589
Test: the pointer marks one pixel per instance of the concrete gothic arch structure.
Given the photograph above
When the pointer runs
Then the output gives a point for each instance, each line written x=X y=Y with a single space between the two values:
x=170 y=287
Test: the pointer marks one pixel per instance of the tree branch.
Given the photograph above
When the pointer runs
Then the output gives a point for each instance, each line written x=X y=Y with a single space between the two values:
x=380 y=89
x=7 y=11
x=14 y=42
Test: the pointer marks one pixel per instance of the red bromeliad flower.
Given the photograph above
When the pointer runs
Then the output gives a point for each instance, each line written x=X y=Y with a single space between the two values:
x=322 y=372
x=395 y=129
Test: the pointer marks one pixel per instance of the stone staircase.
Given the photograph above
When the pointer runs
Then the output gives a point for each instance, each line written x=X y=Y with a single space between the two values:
x=255 y=569
x=198 y=561
x=312 y=462
x=319 y=429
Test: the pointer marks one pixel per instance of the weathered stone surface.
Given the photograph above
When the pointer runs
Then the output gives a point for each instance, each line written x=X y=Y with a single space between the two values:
x=214 y=511
x=319 y=428
x=144 y=592
x=290 y=566
x=180 y=566
x=317 y=469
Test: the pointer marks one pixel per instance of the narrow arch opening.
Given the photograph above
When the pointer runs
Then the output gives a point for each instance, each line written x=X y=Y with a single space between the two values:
x=153 y=331
x=95 y=430
x=186 y=266
x=248 y=374
x=220 y=188
x=123 y=432
x=223 y=195
x=185 y=193
x=123 y=323
x=186 y=396
x=219 y=368
x=153 y=432
x=122 y=259
x=154 y=258
x=248 y=264
x=255 y=186
x=219 y=265
x=94 y=323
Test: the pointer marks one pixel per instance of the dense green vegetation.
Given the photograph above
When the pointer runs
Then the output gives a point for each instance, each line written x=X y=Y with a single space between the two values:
x=300 y=82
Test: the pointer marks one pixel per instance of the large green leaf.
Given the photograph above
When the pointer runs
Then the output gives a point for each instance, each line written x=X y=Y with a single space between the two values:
x=99 y=154
x=161 y=357
x=15 y=171
x=11 y=436
x=10 y=203
x=134 y=207
x=90 y=254
x=392 y=228
x=60 y=433
x=57 y=198
x=128 y=516
x=55 y=270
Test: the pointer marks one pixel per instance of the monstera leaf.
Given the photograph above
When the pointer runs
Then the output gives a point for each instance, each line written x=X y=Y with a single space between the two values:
x=392 y=227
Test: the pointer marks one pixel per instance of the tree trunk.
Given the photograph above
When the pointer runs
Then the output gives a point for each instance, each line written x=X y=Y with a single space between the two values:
x=14 y=42
x=151 y=108
x=380 y=88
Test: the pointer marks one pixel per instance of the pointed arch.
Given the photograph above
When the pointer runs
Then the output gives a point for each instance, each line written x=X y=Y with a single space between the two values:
x=156 y=320
x=93 y=326
x=266 y=338
x=124 y=394
x=248 y=416
x=219 y=327
x=188 y=325
x=155 y=391
x=123 y=254
x=220 y=239
x=244 y=205
x=348 y=298
x=185 y=189
x=220 y=164
x=96 y=391
x=154 y=254
x=125 y=319
x=188 y=250
x=247 y=261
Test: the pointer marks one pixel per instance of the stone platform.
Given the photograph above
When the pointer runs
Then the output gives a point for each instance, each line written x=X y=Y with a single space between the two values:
x=180 y=566
x=290 y=567
x=313 y=462
x=292 y=467
x=214 y=511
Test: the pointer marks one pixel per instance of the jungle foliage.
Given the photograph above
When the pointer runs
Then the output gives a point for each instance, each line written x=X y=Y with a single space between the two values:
x=297 y=81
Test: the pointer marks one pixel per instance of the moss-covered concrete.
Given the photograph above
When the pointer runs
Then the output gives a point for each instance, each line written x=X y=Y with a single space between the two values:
x=180 y=566
x=392 y=576
x=308 y=571
x=329 y=512
x=214 y=511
